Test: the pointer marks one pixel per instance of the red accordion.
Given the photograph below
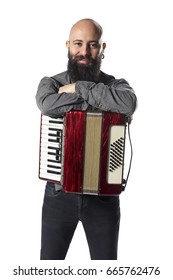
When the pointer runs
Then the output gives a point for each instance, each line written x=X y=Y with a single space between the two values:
x=84 y=151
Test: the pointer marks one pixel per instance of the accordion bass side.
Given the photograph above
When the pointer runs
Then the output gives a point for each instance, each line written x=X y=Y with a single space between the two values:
x=84 y=151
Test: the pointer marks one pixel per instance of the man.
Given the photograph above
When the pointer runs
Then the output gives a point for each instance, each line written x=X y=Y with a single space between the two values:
x=82 y=87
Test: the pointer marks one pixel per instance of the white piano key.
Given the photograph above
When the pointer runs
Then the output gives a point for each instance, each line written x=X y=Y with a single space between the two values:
x=50 y=139
x=50 y=144
x=51 y=134
x=50 y=157
x=45 y=155
x=48 y=176
x=52 y=127
x=51 y=121
x=44 y=117
x=50 y=171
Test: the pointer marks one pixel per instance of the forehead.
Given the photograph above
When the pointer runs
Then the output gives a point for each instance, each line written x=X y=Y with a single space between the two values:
x=84 y=31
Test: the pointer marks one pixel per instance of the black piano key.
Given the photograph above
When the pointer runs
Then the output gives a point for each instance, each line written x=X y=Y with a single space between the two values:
x=53 y=166
x=56 y=140
x=55 y=121
x=54 y=135
x=54 y=148
x=58 y=159
x=57 y=156
x=53 y=161
x=54 y=172
x=53 y=129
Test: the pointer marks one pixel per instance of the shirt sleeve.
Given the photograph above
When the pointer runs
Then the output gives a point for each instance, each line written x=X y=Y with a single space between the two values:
x=53 y=104
x=117 y=97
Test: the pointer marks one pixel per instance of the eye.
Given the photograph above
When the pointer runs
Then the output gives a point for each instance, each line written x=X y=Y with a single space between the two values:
x=77 y=44
x=93 y=45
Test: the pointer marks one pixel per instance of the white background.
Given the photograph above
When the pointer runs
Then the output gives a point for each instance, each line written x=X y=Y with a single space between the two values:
x=139 y=48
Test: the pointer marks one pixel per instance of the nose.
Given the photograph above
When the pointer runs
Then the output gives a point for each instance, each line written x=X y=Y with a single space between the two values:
x=85 y=50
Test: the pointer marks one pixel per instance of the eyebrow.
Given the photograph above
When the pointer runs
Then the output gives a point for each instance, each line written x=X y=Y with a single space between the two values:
x=77 y=41
x=92 y=41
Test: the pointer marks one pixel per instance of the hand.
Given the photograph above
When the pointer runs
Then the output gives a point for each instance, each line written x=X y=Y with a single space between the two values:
x=70 y=88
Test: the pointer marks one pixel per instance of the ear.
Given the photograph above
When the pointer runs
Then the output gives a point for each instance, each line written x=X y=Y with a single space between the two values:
x=104 y=46
x=68 y=44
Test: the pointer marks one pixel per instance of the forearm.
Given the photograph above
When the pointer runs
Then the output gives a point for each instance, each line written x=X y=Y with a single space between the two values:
x=118 y=97
x=52 y=100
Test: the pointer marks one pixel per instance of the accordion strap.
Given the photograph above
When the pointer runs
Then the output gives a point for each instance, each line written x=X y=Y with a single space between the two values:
x=131 y=154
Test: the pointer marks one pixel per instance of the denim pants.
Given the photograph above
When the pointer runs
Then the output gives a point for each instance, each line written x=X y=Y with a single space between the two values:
x=100 y=217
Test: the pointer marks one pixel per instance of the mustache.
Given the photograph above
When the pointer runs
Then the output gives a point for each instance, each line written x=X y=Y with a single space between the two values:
x=80 y=57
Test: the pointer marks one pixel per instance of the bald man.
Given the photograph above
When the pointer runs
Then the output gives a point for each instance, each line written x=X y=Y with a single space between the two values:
x=83 y=86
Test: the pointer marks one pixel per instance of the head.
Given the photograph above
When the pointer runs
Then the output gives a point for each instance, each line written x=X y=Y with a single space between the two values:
x=85 y=50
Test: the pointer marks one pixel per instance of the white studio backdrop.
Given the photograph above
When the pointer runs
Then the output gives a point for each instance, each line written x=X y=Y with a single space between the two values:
x=139 y=49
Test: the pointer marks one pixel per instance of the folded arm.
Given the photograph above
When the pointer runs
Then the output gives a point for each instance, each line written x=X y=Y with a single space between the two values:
x=53 y=102
x=54 y=99
x=118 y=97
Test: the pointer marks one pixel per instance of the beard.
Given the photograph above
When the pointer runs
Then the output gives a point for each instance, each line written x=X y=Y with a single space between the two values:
x=83 y=72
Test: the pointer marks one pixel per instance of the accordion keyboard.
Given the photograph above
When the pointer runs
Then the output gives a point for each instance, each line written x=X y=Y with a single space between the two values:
x=51 y=148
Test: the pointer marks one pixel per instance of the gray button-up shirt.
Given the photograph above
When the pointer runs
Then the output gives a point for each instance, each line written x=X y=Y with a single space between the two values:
x=109 y=94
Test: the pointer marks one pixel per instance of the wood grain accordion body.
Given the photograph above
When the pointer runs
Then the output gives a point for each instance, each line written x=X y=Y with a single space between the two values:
x=84 y=152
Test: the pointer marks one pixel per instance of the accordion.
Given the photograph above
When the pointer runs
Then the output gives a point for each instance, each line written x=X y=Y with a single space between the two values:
x=84 y=152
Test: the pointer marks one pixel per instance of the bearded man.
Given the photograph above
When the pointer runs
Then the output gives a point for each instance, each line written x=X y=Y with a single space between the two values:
x=83 y=86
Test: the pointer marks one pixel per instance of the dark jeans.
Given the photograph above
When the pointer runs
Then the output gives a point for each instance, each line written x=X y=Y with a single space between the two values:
x=100 y=217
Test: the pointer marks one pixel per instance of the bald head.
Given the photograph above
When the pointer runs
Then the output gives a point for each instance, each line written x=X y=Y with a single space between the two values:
x=87 y=25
